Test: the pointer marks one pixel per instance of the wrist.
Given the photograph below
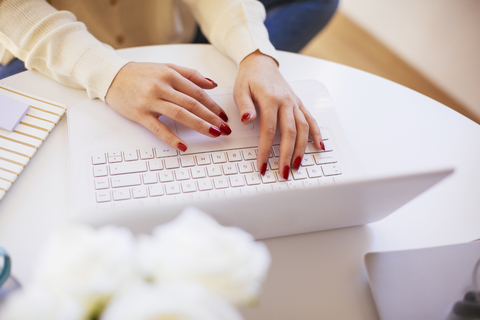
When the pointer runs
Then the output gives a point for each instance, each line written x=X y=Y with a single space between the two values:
x=258 y=57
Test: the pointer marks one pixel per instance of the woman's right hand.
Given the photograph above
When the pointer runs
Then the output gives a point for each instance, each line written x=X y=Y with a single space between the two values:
x=142 y=92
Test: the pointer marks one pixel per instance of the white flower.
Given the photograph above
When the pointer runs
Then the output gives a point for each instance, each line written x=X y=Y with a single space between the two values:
x=195 y=248
x=36 y=303
x=87 y=264
x=169 y=302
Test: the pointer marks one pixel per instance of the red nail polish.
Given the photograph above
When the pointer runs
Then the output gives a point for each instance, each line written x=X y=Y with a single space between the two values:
x=213 y=82
x=264 y=169
x=182 y=147
x=246 y=116
x=286 y=171
x=297 y=162
x=322 y=145
x=225 y=129
x=223 y=116
x=214 y=131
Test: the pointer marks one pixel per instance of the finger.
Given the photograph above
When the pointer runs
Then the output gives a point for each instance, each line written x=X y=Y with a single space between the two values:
x=313 y=129
x=301 y=139
x=198 y=109
x=268 y=126
x=188 y=119
x=287 y=143
x=245 y=105
x=194 y=91
x=161 y=131
x=194 y=76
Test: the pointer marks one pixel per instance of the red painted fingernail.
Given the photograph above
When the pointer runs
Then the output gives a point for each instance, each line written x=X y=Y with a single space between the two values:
x=214 y=131
x=182 y=147
x=296 y=163
x=264 y=169
x=223 y=116
x=213 y=82
x=225 y=129
x=246 y=116
x=286 y=171
x=322 y=145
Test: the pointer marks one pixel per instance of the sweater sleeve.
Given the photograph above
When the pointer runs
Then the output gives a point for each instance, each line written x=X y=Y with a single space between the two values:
x=235 y=27
x=57 y=45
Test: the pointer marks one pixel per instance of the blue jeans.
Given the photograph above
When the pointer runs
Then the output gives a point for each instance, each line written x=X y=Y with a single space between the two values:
x=291 y=24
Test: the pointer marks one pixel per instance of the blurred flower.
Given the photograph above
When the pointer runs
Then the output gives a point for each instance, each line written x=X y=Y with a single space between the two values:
x=195 y=248
x=88 y=265
x=174 y=301
x=36 y=303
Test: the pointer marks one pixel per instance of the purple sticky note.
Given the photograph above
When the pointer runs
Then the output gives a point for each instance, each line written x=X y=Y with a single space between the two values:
x=11 y=112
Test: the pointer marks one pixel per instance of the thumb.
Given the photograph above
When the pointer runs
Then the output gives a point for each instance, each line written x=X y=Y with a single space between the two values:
x=243 y=100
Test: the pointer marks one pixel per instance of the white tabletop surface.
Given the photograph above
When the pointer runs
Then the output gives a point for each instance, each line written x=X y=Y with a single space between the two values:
x=317 y=275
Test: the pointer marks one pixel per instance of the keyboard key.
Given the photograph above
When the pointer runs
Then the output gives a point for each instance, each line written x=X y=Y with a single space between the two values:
x=139 y=192
x=155 y=165
x=203 y=159
x=189 y=186
x=101 y=183
x=166 y=176
x=328 y=146
x=103 y=196
x=121 y=194
x=245 y=167
x=280 y=186
x=249 y=154
x=219 y=157
x=220 y=182
x=237 y=192
x=314 y=171
x=264 y=188
x=149 y=178
x=214 y=171
x=308 y=160
x=249 y=191
x=276 y=151
x=115 y=159
x=200 y=196
x=171 y=163
x=216 y=194
x=331 y=169
x=280 y=178
x=172 y=188
x=130 y=155
x=183 y=198
x=182 y=174
x=205 y=184
x=126 y=181
x=269 y=177
x=273 y=163
x=115 y=154
x=237 y=181
x=146 y=153
x=198 y=172
x=100 y=171
x=299 y=174
x=99 y=158
x=311 y=148
x=165 y=152
x=229 y=168
x=324 y=157
x=128 y=167
x=187 y=161
x=234 y=155
x=310 y=183
x=295 y=185
x=155 y=190
x=253 y=178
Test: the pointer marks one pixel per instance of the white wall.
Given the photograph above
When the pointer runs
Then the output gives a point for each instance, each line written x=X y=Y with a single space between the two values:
x=440 y=38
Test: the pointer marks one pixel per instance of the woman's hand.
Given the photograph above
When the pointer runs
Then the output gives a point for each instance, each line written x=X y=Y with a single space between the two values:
x=142 y=92
x=259 y=83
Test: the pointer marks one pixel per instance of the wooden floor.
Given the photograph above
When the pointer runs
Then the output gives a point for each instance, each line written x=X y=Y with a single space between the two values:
x=345 y=42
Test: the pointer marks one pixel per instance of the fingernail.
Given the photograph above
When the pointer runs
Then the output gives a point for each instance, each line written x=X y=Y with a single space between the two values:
x=322 y=145
x=245 y=116
x=223 y=116
x=286 y=171
x=213 y=82
x=182 y=147
x=225 y=129
x=264 y=169
x=214 y=131
x=296 y=163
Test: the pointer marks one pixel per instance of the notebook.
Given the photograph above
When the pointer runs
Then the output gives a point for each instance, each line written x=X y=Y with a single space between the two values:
x=19 y=146
x=124 y=174
x=422 y=283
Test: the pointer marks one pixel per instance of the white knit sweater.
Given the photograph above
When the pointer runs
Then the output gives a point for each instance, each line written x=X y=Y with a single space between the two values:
x=57 y=45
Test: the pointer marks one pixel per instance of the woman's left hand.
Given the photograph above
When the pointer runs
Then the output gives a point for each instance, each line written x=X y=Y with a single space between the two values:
x=259 y=83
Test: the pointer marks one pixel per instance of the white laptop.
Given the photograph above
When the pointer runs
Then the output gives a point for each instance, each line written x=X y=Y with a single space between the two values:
x=123 y=174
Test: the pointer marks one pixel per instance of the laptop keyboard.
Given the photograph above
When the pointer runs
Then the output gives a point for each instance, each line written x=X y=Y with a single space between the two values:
x=152 y=176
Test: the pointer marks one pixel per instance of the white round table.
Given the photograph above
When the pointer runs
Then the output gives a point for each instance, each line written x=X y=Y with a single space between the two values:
x=314 y=276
